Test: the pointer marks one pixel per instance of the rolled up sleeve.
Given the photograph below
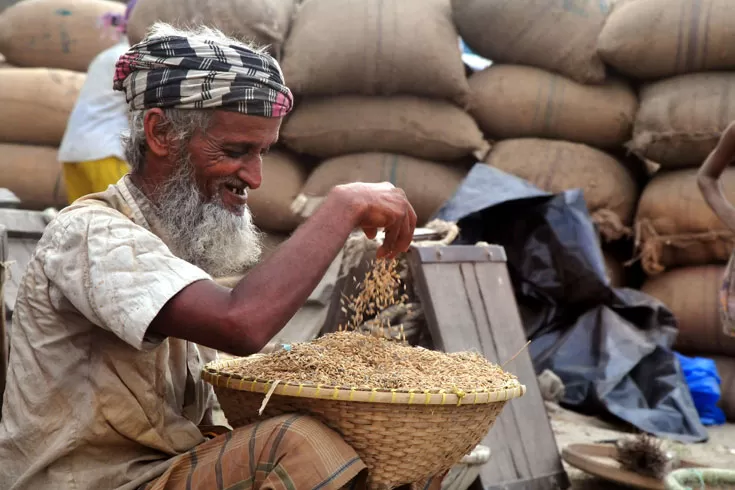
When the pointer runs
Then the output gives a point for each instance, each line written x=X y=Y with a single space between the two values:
x=116 y=273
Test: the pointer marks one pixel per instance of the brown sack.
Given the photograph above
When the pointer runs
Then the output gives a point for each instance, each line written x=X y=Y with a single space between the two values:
x=375 y=47
x=56 y=33
x=680 y=119
x=726 y=370
x=675 y=226
x=283 y=177
x=662 y=38
x=556 y=166
x=34 y=174
x=264 y=22
x=692 y=295
x=38 y=101
x=511 y=101
x=428 y=185
x=556 y=35
x=419 y=127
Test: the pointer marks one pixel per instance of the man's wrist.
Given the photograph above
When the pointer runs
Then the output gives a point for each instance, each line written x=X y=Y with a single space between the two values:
x=348 y=202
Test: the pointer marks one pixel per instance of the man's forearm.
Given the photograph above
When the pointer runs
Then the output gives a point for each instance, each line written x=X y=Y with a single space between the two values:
x=242 y=320
x=284 y=281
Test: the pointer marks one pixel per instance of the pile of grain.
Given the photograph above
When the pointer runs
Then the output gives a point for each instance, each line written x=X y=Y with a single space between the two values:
x=353 y=359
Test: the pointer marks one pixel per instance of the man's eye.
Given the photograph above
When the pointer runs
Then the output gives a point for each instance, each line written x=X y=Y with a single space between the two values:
x=235 y=154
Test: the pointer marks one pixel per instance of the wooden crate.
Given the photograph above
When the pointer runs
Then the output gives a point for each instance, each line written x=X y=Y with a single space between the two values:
x=3 y=331
x=468 y=303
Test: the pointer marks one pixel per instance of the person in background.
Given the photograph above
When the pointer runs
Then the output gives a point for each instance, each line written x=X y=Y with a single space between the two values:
x=91 y=150
x=708 y=179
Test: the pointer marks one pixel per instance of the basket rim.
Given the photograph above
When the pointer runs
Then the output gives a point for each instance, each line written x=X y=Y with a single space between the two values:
x=212 y=374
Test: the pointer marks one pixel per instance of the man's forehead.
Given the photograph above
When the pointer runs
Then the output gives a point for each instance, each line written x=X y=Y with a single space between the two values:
x=238 y=128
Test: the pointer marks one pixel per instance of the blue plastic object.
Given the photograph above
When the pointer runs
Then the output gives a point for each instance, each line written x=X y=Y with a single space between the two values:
x=704 y=385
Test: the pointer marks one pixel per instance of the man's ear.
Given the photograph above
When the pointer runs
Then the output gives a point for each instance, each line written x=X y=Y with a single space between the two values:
x=156 y=132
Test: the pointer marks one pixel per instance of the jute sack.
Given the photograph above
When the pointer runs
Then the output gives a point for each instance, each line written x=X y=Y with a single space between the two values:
x=428 y=185
x=510 y=101
x=34 y=174
x=264 y=22
x=557 y=35
x=556 y=166
x=692 y=294
x=680 y=119
x=375 y=47
x=56 y=33
x=415 y=126
x=283 y=177
x=675 y=226
x=661 y=38
x=726 y=370
x=38 y=102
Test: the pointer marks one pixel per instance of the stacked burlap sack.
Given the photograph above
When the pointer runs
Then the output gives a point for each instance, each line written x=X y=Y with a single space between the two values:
x=555 y=116
x=681 y=52
x=47 y=46
x=381 y=92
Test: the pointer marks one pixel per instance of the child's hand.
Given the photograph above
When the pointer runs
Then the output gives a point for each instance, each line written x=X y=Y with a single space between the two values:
x=711 y=171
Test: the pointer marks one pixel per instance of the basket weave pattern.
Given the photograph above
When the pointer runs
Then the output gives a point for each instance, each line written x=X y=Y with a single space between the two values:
x=403 y=437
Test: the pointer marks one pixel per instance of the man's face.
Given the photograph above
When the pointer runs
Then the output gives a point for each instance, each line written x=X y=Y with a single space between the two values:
x=228 y=158
x=203 y=204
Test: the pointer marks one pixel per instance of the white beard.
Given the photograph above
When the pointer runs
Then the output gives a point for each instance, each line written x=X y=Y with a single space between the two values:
x=205 y=233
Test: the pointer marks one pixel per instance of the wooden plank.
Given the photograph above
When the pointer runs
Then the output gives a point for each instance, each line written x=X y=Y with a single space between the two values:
x=3 y=329
x=461 y=253
x=468 y=302
x=22 y=223
x=454 y=327
x=8 y=199
x=535 y=430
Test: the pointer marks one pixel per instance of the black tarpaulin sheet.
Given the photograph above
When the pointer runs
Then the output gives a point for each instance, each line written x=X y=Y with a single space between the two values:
x=611 y=347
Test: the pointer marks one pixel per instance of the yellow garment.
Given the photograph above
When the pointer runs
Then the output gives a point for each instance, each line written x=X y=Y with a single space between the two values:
x=84 y=178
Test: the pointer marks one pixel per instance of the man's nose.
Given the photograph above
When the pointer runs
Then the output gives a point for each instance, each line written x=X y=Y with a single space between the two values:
x=252 y=173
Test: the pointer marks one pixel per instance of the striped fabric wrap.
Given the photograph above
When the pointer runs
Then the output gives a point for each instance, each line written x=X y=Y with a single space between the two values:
x=184 y=73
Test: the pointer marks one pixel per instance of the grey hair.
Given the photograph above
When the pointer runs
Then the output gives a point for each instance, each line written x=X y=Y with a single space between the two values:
x=181 y=124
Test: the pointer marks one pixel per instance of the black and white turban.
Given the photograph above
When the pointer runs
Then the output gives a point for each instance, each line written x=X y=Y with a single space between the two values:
x=182 y=73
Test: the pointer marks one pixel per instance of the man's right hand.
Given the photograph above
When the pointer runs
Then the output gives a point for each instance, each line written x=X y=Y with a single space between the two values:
x=242 y=320
x=374 y=206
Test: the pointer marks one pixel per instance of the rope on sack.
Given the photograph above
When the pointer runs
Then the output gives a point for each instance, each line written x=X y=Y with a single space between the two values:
x=449 y=229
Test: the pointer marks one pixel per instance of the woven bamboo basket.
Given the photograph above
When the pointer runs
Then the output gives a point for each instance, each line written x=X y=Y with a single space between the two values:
x=402 y=436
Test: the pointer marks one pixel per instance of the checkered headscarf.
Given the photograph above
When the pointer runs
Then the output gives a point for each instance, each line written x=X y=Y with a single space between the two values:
x=181 y=73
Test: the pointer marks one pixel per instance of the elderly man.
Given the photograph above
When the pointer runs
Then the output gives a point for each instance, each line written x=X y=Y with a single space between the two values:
x=113 y=312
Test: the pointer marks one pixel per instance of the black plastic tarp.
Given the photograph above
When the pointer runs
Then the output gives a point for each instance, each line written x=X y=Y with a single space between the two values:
x=611 y=347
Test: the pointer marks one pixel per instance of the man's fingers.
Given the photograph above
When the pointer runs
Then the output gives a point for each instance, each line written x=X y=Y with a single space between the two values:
x=391 y=235
x=371 y=233
x=413 y=218
x=405 y=236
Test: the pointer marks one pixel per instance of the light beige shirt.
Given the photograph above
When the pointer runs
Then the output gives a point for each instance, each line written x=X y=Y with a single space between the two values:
x=92 y=400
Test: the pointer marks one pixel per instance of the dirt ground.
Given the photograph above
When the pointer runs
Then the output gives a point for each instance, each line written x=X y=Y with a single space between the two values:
x=570 y=428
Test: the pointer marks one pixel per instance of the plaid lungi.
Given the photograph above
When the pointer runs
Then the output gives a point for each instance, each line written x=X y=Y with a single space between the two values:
x=290 y=452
